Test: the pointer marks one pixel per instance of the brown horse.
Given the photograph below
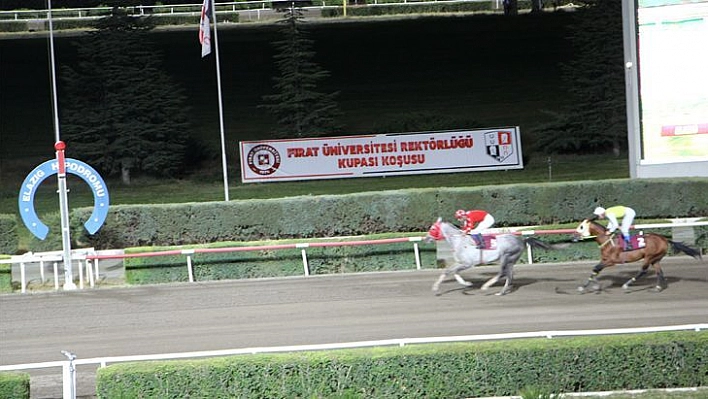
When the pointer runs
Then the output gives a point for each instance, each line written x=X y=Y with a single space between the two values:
x=651 y=249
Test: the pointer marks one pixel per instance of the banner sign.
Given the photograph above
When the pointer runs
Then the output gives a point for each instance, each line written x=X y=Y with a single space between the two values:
x=381 y=155
x=49 y=168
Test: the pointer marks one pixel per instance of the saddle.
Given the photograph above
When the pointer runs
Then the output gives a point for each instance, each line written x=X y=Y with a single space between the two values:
x=636 y=241
x=489 y=242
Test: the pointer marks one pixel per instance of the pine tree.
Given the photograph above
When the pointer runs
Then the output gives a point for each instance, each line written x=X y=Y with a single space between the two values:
x=300 y=110
x=120 y=112
x=595 y=119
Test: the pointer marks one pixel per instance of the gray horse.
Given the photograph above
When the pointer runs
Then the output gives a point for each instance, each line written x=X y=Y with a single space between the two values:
x=507 y=252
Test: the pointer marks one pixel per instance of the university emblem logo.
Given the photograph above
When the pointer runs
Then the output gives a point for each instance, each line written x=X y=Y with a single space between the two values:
x=499 y=144
x=263 y=160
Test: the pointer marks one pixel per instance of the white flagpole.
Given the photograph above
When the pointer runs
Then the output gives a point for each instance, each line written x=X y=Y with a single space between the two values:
x=61 y=175
x=221 y=106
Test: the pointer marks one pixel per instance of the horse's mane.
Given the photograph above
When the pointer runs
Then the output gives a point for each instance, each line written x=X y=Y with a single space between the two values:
x=452 y=226
x=594 y=223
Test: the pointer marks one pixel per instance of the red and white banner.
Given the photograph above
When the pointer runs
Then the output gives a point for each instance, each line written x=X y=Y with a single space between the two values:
x=381 y=155
x=204 y=28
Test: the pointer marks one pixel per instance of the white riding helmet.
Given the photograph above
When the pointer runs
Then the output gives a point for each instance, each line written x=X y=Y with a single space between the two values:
x=599 y=211
x=460 y=214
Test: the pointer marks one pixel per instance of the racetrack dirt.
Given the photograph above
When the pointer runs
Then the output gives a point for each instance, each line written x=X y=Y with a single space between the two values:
x=223 y=315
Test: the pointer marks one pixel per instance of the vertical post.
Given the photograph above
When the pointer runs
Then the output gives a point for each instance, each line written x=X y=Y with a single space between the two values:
x=22 y=277
x=56 y=276
x=221 y=106
x=64 y=211
x=417 y=255
x=69 y=376
x=529 y=254
x=305 y=265
x=190 y=271
x=81 y=274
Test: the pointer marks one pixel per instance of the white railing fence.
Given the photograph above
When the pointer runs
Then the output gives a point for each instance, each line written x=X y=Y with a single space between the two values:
x=69 y=366
x=193 y=9
x=87 y=260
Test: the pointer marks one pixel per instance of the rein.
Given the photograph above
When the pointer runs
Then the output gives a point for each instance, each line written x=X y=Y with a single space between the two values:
x=609 y=240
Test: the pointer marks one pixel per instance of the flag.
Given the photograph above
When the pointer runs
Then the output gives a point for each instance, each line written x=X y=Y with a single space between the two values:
x=204 y=28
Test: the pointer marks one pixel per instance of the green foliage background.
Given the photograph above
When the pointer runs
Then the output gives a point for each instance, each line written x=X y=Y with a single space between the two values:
x=469 y=369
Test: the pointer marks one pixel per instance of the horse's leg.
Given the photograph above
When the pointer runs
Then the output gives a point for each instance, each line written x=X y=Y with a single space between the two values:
x=639 y=275
x=491 y=281
x=660 y=280
x=509 y=273
x=462 y=280
x=453 y=269
x=496 y=278
x=505 y=270
x=593 y=278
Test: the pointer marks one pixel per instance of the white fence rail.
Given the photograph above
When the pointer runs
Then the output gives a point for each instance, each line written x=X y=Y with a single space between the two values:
x=69 y=366
x=193 y=9
x=88 y=259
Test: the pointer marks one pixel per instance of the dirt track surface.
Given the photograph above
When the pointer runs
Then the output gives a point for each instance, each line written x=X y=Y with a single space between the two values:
x=330 y=309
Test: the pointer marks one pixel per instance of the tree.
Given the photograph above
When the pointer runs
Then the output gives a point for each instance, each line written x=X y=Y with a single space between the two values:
x=299 y=109
x=120 y=111
x=595 y=119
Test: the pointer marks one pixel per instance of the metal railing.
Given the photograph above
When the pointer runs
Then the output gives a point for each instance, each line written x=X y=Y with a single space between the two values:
x=193 y=9
x=88 y=259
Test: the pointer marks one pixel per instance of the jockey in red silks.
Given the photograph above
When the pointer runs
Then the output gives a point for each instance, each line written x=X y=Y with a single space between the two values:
x=474 y=222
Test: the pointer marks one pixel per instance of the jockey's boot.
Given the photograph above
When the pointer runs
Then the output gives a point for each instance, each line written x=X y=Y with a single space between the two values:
x=627 y=243
x=480 y=241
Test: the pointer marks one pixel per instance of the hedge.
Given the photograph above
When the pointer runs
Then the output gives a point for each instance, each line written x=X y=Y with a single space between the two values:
x=400 y=211
x=274 y=263
x=9 y=239
x=469 y=369
x=14 y=385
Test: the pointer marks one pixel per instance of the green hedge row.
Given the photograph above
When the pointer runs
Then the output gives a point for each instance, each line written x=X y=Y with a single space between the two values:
x=275 y=263
x=9 y=238
x=365 y=213
x=472 y=369
x=383 y=212
x=14 y=385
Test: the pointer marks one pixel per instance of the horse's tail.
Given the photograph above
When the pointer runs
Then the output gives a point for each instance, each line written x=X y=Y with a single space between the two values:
x=681 y=247
x=536 y=243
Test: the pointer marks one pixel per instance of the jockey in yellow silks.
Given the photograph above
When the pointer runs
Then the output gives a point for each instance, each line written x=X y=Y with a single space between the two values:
x=615 y=213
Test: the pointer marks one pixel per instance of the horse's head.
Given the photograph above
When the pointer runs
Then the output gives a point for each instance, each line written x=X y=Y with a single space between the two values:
x=583 y=230
x=435 y=232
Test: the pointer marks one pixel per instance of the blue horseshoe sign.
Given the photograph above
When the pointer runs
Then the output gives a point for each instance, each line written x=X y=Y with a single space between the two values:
x=49 y=168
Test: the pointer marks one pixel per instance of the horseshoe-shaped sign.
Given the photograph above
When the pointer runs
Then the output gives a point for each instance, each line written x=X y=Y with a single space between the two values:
x=49 y=168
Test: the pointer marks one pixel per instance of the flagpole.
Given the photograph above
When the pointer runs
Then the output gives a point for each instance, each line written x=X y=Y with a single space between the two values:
x=221 y=106
x=59 y=146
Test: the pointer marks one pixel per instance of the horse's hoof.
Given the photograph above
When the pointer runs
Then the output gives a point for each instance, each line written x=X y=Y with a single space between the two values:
x=659 y=288
x=625 y=286
x=581 y=289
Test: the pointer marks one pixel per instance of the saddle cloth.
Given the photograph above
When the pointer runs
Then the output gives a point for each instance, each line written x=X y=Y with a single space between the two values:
x=637 y=240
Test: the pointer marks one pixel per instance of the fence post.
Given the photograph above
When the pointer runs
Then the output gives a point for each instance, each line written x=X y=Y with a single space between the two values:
x=190 y=271
x=69 y=376
x=305 y=265
x=529 y=253
x=417 y=255
x=56 y=276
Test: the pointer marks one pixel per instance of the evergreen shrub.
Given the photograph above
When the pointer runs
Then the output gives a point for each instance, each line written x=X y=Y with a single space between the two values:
x=456 y=370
